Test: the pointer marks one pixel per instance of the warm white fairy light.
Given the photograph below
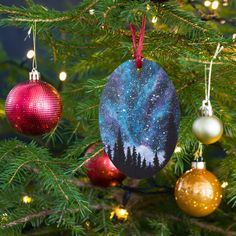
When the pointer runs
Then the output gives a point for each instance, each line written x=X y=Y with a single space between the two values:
x=119 y=213
x=26 y=199
x=91 y=11
x=154 y=19
x=207 y=3
x=30 y=54
x=224 y=184
x=178 y=149
x=215 y=5
x=62 y=76
x=148 y=7
x=4 y=218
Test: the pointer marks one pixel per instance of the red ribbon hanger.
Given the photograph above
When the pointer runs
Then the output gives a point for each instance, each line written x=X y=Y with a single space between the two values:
x=138 y=50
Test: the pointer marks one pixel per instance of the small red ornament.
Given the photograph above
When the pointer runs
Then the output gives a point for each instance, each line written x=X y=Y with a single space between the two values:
x=33 y=107
x=101 y=170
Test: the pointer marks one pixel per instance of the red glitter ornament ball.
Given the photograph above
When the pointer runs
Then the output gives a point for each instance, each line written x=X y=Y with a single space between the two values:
x=101 y=170
x=33 y=107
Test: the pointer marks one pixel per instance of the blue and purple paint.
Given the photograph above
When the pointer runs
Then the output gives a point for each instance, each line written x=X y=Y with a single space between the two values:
x=139 y=118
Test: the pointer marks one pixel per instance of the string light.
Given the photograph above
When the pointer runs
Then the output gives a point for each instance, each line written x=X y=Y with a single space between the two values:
x=119 y=213
x=91 y=11
x=26 y=199
x=225 y=3
x=207 y=3
x=154 y=19
x=224 y=184
x=30 y=54
x=4 y=218
x=87 y=225
x=148 y=7
x=215 y=5
x=178 y=149
x=62 y=76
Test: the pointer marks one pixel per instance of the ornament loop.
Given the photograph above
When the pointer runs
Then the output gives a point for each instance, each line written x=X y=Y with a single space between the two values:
x=138 y=50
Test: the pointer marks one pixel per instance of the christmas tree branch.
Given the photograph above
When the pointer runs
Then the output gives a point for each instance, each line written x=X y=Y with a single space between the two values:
x=48 y=212
x=203 y=225
x=45 y=213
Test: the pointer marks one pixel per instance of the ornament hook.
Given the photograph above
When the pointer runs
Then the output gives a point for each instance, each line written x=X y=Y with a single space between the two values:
x=138 y=50
x=209 y=76
x=34 y=61
x=34 y=75
x=206 y=108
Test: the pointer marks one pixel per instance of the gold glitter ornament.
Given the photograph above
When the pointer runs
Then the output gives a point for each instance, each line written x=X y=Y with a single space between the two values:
x=198 y=192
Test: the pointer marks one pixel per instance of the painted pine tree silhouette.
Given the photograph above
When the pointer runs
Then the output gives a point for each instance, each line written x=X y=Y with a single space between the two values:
x=128 y=156
x=139 y=161
x=156 y=160
x=144 y=164
x=129 y=161
x=120 y=152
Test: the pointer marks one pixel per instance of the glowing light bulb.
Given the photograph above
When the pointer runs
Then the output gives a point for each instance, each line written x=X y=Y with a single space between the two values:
x=62 y=76
x=91 y=11
x=4 y=218
x=154 y=19
x=148 y=7
x=119 y=213
x=224 y=184
x=27 y=200
x=207 y=3
x=178 y=149
x=30 y=54
x=215 y=5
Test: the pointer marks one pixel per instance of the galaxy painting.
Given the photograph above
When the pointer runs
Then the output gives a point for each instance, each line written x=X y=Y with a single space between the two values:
x=139 y=118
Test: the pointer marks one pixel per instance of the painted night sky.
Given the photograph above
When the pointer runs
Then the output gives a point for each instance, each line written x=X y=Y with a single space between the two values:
x=141 y=107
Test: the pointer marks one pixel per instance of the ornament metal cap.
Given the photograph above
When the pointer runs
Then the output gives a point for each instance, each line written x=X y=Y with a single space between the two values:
x=206 y=108
x=34 y=75
x=199 y=164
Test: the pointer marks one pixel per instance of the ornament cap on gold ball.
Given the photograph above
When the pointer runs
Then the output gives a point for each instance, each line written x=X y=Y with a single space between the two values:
x=199 y=164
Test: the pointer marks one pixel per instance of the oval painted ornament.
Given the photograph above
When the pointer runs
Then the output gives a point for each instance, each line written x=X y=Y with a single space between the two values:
x=139 y=118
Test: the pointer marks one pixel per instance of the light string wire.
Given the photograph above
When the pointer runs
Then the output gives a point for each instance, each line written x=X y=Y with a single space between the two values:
x=209 y=69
